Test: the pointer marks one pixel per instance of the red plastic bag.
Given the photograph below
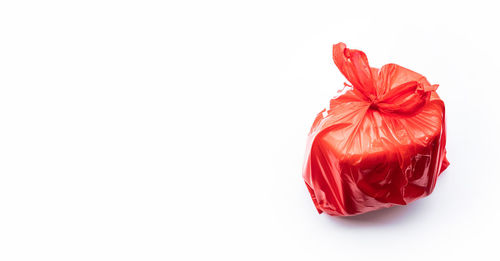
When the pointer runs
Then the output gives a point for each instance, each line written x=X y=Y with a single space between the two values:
x=381 y=143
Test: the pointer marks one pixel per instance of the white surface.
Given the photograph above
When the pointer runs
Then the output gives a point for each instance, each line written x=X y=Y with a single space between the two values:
x=176 y=131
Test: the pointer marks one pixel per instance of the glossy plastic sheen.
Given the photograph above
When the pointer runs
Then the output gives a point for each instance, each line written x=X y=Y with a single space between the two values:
x=381 y=143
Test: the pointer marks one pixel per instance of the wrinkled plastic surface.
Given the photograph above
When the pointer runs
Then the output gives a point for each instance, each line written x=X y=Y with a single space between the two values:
x=380 y=144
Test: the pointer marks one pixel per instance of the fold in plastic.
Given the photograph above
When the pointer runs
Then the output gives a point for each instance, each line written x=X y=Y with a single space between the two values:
x=380 y=144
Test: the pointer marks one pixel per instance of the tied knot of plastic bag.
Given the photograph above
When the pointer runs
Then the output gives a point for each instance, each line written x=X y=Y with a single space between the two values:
x=390 y=89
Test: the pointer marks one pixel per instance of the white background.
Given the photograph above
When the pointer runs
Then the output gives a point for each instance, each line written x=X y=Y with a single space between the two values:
x=150 y=130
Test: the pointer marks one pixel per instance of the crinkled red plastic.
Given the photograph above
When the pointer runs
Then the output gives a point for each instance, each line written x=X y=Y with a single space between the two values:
x=380 y=144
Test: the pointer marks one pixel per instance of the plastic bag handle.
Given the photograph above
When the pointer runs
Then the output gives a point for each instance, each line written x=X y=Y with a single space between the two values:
x=405 y=98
